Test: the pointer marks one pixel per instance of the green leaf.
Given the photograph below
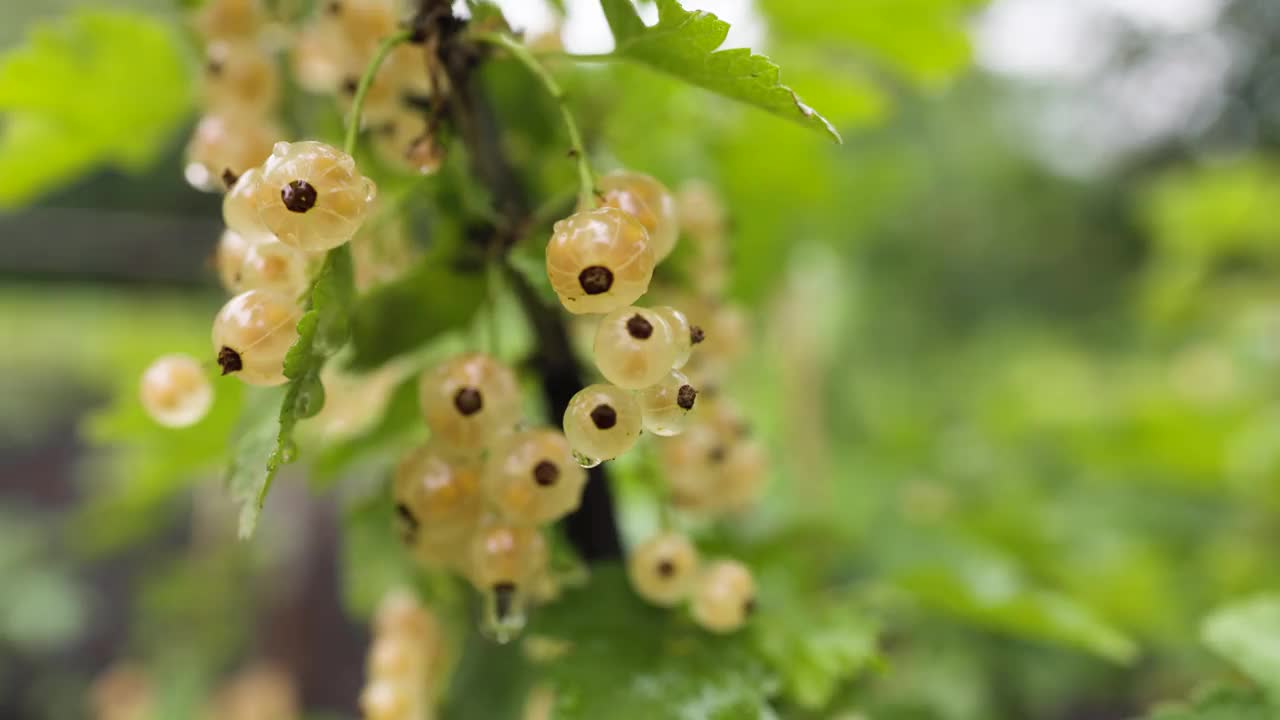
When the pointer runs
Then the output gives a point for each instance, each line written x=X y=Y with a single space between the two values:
x=251 y=469
x=655 y=664
x=264 y=446
x=373 y=558
x=1219 y=704
x=70 y=99
x=815 y=644
x=400 y=422
x=686 y=44
x=432 y=297
x=1247 y=634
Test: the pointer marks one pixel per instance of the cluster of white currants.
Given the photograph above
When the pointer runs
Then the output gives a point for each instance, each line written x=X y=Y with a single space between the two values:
x=404 y=667
x=474 y=498
x=242 y=82
x=666 y=571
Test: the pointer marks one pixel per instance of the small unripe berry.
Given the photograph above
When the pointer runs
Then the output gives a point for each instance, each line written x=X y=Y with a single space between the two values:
x=469 y=401
x=666 y=404
x=252 y=334
x=311 y=196
x=663 y=568
x=648 y=201
x=240 y=79
x=531 y=477
x=724 y=597
x=175 y=391
x=601 y=423
x=599 y=260
x=634 y=347
x=438 y=504
x=682 y=333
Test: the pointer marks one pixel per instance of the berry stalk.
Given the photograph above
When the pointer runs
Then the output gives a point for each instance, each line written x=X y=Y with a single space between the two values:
x=362 y=89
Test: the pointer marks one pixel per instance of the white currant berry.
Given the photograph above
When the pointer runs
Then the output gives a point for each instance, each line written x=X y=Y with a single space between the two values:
x=240 y=78
x=601 y=423
x=599 y=260
x=648 y=201
x=506 y=561
x=319 y=57
x=230 y=19
x=692 y=462
x=532 y=477
x=744 y=477
x=684 y=334
x=310 y=195
x=400 y=614
x=663 y=569
x=724 y=596
x=394 y=657
x=239 y=211
x=438 y=504
x=252 y=334
x=701 y=212
x=229 y=257
x=388 y=700
x=634 y=347
x=224 y=146
x=362 y=23
x=666 y=404
x=469 y=401
x=403 y=141
x=260 y=692
x=175 y=391
x=271 y=265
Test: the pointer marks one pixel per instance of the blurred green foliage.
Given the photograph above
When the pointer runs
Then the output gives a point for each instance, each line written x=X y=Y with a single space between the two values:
x=1024 y=425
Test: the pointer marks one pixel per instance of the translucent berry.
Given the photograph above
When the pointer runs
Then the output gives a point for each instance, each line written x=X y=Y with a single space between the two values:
x=531 y=477
x=400 y=614
x=311 y=196
x=240 y=78
x=506 y=560
x=224 y=146
x=238 y=209
x=175 y=391
x=634 y=348
x=684 y=335
x=599 y=260
x=272 y=265
x=666 y=404
x=469 y=401
x=724 y=596
x=252 y=334
x=319 y=58
x=648 y=201
x=230 y=19
x=692 y=463
x=746 y=471
x=362 y=23
x=701 y=212
x=387 y=700
x=438 y=504
x=663 y=568
x=602 y=422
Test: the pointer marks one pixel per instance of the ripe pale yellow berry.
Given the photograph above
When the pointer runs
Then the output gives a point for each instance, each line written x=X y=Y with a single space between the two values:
x=388 y=700
x=599 y=260
x=746 y=471
x=666 y=404
x=469 y=401
x=319 y=57
x=239 y=211
x=362 y=23
x=701 y=212
x=663 y=569
x=692 y=462
x=224 y=146
x=311 y=196
x=271 y=265
x=724 y=596
x=438 y=504
x=240 y=79
x=507 y=560
x=634 y=348
x=684 y=335
x=252 y=334
x=230 y=19
x=175 y=391
x=648 y=201
x=531 y=477
x=601 y=423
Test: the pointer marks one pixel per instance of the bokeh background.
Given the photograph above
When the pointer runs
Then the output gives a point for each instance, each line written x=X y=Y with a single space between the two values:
x=1017 y=344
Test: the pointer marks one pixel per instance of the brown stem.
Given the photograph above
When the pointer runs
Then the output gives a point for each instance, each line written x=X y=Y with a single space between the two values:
x=592 y=529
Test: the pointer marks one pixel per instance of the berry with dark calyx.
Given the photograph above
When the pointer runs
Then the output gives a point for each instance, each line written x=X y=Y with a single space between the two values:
x=634 y=347
x=252 y=334
x=601 y=423
x=532 y=477
x=470 y=401
x=663 y=568
x=442 y=495
x=175 y=391
x=724 y=596
x=241 y=79
x=310 y=195
x=649 y=202
x=599 y=260
x=667 y=403
x=681 y=333
x=225 y=145
x=506 y=561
